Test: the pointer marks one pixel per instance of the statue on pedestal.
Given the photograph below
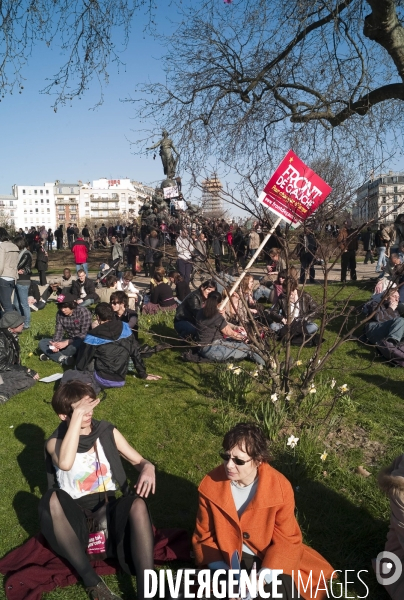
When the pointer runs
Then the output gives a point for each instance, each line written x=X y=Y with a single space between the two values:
x=166 y=152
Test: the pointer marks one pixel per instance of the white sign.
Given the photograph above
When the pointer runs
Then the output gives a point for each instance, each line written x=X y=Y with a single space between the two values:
x=171 y=192
x=179 y=204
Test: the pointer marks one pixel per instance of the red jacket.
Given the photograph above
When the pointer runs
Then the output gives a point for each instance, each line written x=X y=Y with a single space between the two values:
x=80 y=251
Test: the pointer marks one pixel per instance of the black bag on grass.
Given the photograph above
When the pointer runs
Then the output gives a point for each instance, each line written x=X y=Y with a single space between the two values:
x=394 y=354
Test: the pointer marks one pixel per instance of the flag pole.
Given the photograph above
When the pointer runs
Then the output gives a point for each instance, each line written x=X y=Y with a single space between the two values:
x=251 y=262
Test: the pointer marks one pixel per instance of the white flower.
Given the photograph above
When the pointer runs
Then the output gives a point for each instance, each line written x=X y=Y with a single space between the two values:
x=274 y=397
x=292 y=441
x=332 y=384
x=312 y=389
x=298 y=363
x=255 y=374
x=323 y=456
x=344 y=388
x=230 y=366
x=147 y=385
x=260 y=367
x=288 y=397
x=237 y=371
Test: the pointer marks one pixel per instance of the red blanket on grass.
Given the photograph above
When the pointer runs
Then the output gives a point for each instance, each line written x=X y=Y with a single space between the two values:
x=33 y=568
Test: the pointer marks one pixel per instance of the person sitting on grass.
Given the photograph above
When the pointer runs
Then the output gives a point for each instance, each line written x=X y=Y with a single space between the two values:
x=185 y=316
x=120 y=305
x=214 y=333
x=302 y=308
x=84 y=289
x=105 y=293
x=72 y=323
x=246 y=505
x=161 y=297
x=390 y=481
x=182 y=288
x=125 y=284
x=110 y=345
x=13 y=376
x=386 y=324
x=83 y=463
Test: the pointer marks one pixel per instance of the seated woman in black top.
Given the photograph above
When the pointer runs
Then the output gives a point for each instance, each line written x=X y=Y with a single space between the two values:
x=182 y=288
x=184 y=321
x=219 y=340
x=161 y=296
x=84 y=467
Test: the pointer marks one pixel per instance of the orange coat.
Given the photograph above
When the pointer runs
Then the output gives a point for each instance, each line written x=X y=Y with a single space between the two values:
x=267 y=526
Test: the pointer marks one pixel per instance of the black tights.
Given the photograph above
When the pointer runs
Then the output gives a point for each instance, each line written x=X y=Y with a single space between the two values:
x=64 y=541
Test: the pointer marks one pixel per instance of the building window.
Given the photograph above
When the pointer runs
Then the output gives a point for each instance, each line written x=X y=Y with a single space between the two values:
x=41 y=191
x=36 y=210
x=60 y=191
x=47 y=200
x=383 y=198
x=87 y=212
x=395 y=199
x=41 y=200
x=384 y=208
x=47 y=191
x=86 y=204
x=11 y=203
x=395 y=179
x=36 y=201
x=11 y=213
x=48 y=210
x=35 y=191
x=72 y=190
x=23 y=191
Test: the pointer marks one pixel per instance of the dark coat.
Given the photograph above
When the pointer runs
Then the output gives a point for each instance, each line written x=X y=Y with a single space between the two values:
x=189 y=307
x=308 y=308
x=25 y=263
x=42 y=259
x=110 y=345
x=89 y=288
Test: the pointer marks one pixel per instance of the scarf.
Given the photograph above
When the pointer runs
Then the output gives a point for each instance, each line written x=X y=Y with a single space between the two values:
x=102 y=430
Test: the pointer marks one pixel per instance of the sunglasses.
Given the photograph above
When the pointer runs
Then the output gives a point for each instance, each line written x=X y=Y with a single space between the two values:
x=237 y=461
x=115 y=303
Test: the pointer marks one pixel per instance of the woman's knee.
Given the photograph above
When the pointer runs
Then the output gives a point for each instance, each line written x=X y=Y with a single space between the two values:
x=138 y=511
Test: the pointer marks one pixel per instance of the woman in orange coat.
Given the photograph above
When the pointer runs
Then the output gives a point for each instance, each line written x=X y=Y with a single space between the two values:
x=248 y=506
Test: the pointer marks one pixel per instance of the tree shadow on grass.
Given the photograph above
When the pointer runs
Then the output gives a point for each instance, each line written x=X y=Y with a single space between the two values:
x=348 y=536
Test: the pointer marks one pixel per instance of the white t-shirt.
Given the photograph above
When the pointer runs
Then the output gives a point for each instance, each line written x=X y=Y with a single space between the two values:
x=126 y=287
x=86 y=476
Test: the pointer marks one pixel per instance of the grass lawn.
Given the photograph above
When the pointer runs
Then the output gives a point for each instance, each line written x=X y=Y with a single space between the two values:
x=178 y=424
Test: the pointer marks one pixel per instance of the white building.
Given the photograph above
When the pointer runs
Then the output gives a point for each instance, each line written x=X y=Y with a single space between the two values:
x=111 y=200
x=381 y=199
x=8 y=208
x=34 y=205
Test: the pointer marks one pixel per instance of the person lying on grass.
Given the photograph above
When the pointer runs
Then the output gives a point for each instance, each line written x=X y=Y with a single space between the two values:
x=84 y=470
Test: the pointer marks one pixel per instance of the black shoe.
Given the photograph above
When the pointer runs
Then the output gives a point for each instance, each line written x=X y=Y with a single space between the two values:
x=101 y=592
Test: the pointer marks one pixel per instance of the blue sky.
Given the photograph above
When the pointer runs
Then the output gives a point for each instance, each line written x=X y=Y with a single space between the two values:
x=76 y=142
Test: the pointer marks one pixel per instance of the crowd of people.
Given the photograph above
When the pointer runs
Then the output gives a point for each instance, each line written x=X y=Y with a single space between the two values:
x=83 y=455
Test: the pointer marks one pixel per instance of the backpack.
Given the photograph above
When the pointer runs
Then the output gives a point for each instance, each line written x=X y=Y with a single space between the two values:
x=394 y=354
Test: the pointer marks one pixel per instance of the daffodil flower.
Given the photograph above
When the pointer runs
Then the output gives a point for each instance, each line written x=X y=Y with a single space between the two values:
x=255 y=374
x=274 y=398
x=323 y=456
x=230 y=366
x=332 y=384
x=288 y=397
x=344 y=388
x=237 y=371
x=298 y=363
x=292 y=441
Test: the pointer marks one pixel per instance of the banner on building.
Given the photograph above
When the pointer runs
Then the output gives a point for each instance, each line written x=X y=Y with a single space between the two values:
x=294 y=191
x=170 y=192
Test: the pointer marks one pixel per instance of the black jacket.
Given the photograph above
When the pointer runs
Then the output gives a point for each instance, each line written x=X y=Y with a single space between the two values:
x=308 y=308
x=89 y=288
x=110 y=345
x=189 y=307
x=10 y=354
x=25 y=263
